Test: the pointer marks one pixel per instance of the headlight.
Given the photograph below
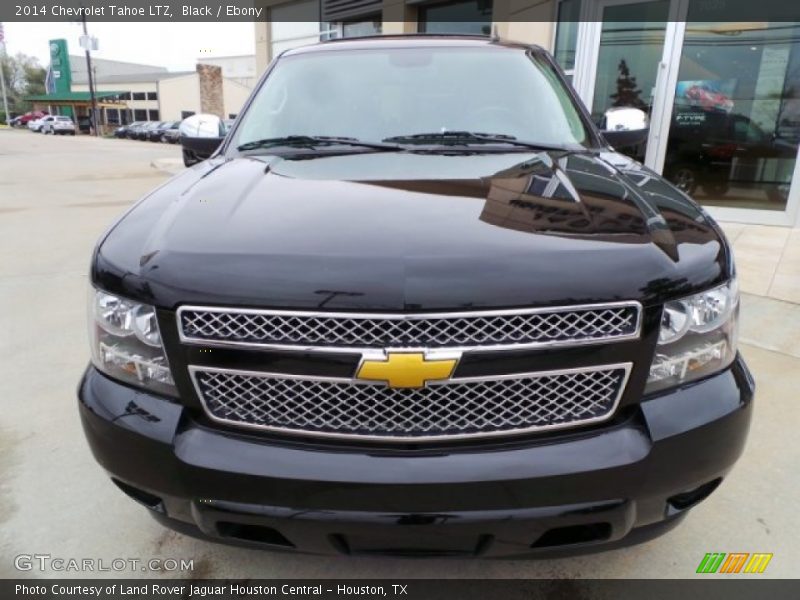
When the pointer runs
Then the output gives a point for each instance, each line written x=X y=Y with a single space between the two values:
x=697 y=337
x=126 y=342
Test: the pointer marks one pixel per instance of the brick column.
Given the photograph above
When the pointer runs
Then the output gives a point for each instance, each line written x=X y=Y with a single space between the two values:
x=211 y=99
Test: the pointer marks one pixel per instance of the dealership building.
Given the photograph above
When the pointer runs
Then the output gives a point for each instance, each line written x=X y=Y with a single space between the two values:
x=127 y=92
x=723 y=97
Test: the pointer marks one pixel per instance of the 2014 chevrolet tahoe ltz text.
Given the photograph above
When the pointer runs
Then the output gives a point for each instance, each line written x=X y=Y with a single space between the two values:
x=416 y=304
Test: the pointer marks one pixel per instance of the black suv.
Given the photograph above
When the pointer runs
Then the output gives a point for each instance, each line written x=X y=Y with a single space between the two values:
x=416 y=304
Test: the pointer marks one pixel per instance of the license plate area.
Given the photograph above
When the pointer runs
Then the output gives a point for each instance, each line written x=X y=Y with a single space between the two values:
x=412 y=541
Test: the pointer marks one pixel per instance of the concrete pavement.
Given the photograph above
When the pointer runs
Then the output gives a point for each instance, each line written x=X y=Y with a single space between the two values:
x=768 y=260
x=57 y=195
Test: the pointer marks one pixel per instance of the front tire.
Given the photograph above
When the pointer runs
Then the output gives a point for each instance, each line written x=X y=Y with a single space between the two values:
x=684 y=177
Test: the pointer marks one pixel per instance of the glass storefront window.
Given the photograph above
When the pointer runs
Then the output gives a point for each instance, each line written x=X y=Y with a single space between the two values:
x=735 y=125
x=291 y=25
x=349 y=29
x=631 y=46
x=567 y=34
x=361 y=28
x=462 y=16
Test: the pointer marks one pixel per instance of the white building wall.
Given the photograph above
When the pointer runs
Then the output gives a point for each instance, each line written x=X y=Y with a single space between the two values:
x=182 y=94
x=178 y=95
x=241 y=69
x=234 y=95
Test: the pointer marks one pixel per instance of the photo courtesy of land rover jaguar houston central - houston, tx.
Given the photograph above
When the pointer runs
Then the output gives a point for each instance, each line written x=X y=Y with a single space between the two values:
x=417 y=304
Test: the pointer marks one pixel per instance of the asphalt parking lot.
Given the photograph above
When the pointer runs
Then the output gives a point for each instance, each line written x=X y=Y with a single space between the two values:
x=58 y=194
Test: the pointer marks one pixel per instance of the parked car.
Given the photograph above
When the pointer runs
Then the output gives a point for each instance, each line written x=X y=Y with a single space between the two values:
x=134 y=129
x=24 y=120
x=140 y=132
x=143 y=133
x=201 y=135
x=38 y=124
x=61 y=125
x=122 y=130
x=173 y=134
x=416 y=304
x=85 y=124
x=157 y=133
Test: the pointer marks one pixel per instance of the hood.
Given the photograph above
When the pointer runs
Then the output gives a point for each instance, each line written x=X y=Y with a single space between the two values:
x=413 y=231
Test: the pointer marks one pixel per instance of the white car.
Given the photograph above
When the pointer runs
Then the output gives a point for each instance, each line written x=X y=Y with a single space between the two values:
x=36 y=124
x=58 y=124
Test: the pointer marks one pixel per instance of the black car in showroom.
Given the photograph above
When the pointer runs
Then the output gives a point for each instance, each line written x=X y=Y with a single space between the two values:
x=416 y=304
x=714 y=150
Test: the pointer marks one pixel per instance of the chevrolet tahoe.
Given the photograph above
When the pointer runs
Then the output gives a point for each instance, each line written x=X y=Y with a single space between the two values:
x=416 y=304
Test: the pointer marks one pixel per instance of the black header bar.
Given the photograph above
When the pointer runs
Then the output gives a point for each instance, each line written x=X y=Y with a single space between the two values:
x=710 y=588
x=258 y=10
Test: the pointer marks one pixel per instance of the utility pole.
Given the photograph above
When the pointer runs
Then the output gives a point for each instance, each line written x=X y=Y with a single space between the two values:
x=2 y=72
x=95 y=124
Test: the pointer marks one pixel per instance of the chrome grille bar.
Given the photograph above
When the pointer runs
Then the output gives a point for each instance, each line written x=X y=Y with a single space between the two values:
x=471 y=330
x=451 y=409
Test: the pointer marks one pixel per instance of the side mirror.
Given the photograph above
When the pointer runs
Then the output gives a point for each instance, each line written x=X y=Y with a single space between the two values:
x=200 y=136
x=624 y=127
x=202 y=126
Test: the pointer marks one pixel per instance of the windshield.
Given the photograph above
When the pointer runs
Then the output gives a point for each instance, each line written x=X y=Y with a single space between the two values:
x=375 y=94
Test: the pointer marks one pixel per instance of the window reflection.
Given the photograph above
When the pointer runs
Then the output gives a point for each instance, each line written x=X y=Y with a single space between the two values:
x=567 y=34
x=736 y=119
x=459 y=16
x=631 y=45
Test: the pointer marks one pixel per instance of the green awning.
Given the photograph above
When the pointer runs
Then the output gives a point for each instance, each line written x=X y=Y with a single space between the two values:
x=71 y=96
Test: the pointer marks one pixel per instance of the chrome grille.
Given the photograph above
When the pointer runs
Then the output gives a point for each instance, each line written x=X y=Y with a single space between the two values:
x=499 y=329
x=467 y=407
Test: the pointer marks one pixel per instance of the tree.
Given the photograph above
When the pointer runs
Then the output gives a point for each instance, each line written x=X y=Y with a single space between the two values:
x=627 y=93
x=34 y=75
x=24 y=76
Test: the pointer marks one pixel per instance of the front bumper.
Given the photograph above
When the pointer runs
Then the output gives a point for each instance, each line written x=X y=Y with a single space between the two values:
x=568 y=493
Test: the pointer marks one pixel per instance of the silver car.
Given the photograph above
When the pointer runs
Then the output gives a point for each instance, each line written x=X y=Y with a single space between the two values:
x=58 y=125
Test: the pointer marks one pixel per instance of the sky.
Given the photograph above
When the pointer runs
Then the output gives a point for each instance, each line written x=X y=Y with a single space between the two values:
x=176 y=46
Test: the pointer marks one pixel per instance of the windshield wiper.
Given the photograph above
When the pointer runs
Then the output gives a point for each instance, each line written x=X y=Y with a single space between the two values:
x=313 y=142
x=465 y=138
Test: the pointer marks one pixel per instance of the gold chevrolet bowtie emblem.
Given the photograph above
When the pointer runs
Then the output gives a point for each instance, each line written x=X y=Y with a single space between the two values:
x=406 y=369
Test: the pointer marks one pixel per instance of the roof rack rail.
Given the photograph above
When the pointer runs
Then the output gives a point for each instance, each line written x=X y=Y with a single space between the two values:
x=389 y=36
